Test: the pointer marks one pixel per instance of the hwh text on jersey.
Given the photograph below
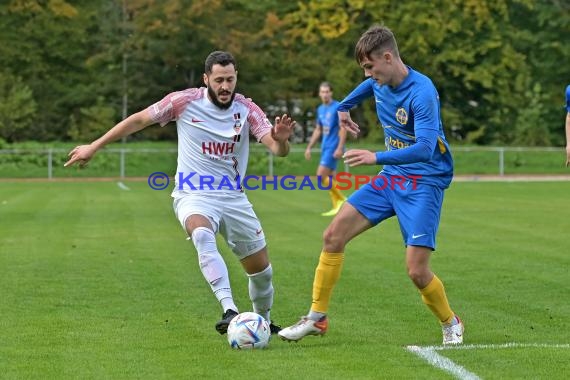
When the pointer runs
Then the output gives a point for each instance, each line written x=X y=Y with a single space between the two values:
x=217 y=148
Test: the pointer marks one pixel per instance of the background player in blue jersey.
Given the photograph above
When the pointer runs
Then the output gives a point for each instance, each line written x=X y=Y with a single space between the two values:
x=332 y=144
x=568 y=126
x=417 y=168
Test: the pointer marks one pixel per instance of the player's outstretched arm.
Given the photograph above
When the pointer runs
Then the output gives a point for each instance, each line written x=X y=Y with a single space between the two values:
x=314 y=138
x=83 y=153
x=278 y=140
x=363 y=91
x=339 y=151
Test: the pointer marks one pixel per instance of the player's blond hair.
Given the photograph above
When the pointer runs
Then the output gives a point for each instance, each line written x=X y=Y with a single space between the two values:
x=377 y=39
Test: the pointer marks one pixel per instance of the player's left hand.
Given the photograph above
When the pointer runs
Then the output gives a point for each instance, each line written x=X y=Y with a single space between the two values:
x=567 y=155
x=80 y=154
x=356 y=157
x=283 y=128
x=338 y=153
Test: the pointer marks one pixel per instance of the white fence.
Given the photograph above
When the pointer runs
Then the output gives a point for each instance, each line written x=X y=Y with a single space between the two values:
x=123 y=154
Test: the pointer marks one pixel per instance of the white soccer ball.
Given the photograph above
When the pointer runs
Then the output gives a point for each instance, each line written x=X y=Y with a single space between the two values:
x=247 y=331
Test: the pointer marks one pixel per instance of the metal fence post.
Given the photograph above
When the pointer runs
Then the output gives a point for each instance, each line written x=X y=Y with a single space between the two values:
x=501 y=161
x=50 y=163
x=270 y=164
x=122 y=164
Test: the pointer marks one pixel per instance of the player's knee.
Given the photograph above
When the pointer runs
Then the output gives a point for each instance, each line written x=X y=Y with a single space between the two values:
x=414 y=275
x=203 y=238
x=256 y=262
x=418 y=276
x=333 y=240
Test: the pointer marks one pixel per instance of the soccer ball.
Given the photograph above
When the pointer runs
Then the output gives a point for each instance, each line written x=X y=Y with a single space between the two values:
x=247 y=331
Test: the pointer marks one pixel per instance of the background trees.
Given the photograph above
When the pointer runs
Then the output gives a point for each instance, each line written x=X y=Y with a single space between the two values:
x=71 y=69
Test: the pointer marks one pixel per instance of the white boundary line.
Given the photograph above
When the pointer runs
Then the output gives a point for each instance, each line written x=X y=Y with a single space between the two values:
x=429 y=354
x=511 y=178
x=122 y=186
x=495 y=346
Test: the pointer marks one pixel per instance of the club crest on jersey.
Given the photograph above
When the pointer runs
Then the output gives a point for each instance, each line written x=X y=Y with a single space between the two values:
x=237 y=124
x=402 y=116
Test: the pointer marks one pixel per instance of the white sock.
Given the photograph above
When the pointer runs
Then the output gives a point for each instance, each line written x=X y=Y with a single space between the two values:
x=213 y=266
x=315 y=316
x=228 y=303
x=454 y=321
x=261 y=292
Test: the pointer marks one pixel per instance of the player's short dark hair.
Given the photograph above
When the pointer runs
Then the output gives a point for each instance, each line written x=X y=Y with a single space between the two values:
x=377 y=39
x=219 y=58
x=325 y=84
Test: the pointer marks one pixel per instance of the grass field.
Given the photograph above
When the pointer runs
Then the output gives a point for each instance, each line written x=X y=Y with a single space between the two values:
x=97 y=282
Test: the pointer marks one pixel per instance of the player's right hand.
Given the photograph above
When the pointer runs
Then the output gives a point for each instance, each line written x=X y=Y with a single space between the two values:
x=357 y=157
x=81 y=154
x=308 y=154
x=567 y=155
x=346 y=122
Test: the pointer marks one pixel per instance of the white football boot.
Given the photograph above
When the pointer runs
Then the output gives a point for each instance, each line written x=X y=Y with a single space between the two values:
x=453 y=334
x=303 y=328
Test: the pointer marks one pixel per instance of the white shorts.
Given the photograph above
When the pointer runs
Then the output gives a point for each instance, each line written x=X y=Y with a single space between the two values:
x=230 y=214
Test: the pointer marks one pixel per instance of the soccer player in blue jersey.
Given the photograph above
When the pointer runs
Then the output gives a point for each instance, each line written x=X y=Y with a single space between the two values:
x=418 y=167
x=568 y=126
x=332 y=144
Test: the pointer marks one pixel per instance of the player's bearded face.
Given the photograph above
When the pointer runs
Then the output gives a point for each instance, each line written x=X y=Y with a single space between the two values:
x=221 y=83
x=221 y=97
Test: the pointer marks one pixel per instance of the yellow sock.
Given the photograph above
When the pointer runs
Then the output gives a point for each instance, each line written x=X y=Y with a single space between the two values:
x=332 y=194
x=434 y=297
x=326 y=277
x=333 y=199
x=336 y=195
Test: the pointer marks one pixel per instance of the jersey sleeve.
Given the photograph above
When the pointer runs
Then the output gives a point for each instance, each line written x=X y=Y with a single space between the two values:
x=421 y=151
x=425 y=109
x=363 y=91
x=172 y=105
x=259 y=124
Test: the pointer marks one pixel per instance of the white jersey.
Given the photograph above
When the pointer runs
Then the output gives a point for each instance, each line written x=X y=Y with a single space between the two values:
x=213 y=143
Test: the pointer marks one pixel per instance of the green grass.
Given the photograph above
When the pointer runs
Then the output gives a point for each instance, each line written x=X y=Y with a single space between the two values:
x=99 y=283
x=161 y=156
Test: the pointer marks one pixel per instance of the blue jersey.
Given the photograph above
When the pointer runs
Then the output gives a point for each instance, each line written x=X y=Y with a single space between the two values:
x=327 y=119
x=411 y=119
x=568 y=98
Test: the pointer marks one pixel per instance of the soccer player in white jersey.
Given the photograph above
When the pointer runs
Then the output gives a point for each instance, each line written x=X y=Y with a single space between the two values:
x=213 y=125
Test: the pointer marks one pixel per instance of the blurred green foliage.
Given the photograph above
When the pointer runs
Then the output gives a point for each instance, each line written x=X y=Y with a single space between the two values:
x=70 y=69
